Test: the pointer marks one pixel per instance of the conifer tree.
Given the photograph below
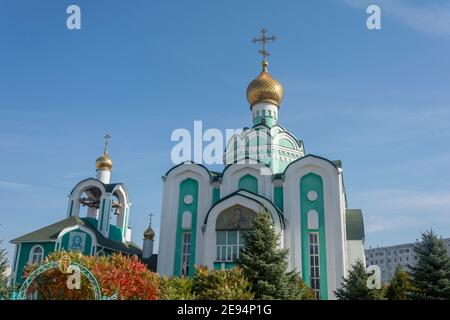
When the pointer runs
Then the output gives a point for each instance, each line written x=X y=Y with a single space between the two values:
x=3 y=278
x=431 y=274
x=265 y=265
x=354 y=287
x=400 y=286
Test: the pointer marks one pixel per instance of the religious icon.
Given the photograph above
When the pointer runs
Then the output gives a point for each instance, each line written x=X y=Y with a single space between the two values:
x=77 y=241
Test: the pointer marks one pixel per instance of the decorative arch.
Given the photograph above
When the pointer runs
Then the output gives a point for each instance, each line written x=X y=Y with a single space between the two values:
x=59 y=240
x=240 y=199
x=121 y=208
x=21 y=295
x=262 y=173
x=94 y=190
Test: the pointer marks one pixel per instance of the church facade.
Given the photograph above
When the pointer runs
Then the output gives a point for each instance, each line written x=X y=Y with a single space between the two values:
x=205 y=213
x=96 y=223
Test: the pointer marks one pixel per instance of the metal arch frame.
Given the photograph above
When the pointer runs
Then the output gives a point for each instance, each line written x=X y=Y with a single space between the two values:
x=56 y=264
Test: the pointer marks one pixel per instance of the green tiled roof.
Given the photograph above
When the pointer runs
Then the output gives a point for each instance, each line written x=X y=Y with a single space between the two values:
x=354 y=224
x=51 y=232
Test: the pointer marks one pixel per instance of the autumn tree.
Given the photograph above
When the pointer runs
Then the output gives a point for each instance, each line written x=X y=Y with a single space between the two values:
x=120 y=274
x=126 y=276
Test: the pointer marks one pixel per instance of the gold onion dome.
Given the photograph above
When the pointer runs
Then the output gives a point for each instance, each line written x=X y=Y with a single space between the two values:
x=103 y=162
x=265 y=89
x=149 y=234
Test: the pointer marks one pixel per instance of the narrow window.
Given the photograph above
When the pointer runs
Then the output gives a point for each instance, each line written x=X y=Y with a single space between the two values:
x=314 y=262
x=186 y=254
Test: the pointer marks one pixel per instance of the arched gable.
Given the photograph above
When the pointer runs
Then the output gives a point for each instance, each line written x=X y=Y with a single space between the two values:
x=233 y=173
x=244 y=199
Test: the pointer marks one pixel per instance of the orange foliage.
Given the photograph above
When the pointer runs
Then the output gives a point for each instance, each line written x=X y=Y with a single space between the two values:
x=126 y=276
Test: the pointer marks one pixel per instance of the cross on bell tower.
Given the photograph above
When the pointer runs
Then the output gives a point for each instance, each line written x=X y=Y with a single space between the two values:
x=151 y=217
x=107 y=137
x=264 y=40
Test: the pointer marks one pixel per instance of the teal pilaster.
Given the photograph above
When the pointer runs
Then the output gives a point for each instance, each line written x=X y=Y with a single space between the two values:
x=313 y=182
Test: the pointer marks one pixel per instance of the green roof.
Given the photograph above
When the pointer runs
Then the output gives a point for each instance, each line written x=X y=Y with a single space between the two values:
x=51 y=232
x=354 y=224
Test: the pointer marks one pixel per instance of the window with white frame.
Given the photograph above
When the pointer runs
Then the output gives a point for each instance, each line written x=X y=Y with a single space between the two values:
x=36 y=255
x=314 y=264
x=231 y=224
x=229 y=244
x=185 y=253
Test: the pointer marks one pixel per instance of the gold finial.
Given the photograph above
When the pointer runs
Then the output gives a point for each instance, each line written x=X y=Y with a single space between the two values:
x=107 y=138
x=264 y=40
x=104 y=162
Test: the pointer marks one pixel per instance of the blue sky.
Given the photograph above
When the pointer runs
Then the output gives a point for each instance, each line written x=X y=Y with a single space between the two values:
x=377 y=100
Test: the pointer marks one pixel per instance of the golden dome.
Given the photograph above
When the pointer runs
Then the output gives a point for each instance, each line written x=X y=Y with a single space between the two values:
x=265 y=89
x=149 y=234
x=103 y=162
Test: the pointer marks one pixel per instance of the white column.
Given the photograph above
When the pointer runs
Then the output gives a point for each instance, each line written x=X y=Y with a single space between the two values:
x=105 y=214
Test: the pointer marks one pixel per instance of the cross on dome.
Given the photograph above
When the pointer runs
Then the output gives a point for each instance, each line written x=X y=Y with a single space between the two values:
x=264 y=40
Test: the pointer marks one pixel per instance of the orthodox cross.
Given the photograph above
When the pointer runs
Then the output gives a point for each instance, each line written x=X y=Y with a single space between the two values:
x=107 y=138
x=151 y=216
x=264 y=40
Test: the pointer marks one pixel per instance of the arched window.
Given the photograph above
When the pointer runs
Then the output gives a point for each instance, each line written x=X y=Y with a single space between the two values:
x=36 y=255
x=249 y=183
x=230 y=226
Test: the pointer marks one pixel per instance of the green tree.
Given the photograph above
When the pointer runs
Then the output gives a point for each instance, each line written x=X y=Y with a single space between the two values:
x=354 y=287
x=220 y=284
x=4 y=290
x=400 y=285
x=265 y=265
x=431 y=274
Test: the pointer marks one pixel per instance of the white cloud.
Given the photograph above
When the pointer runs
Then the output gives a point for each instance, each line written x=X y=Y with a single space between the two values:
x=429 y=18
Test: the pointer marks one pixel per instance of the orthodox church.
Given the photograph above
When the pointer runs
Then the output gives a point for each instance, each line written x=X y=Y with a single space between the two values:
x=96 y=224
x=204 y=213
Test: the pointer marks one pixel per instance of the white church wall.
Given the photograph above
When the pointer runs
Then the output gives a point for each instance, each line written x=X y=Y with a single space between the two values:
x=355 y=251
x=334 y=228
x=169 y=213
